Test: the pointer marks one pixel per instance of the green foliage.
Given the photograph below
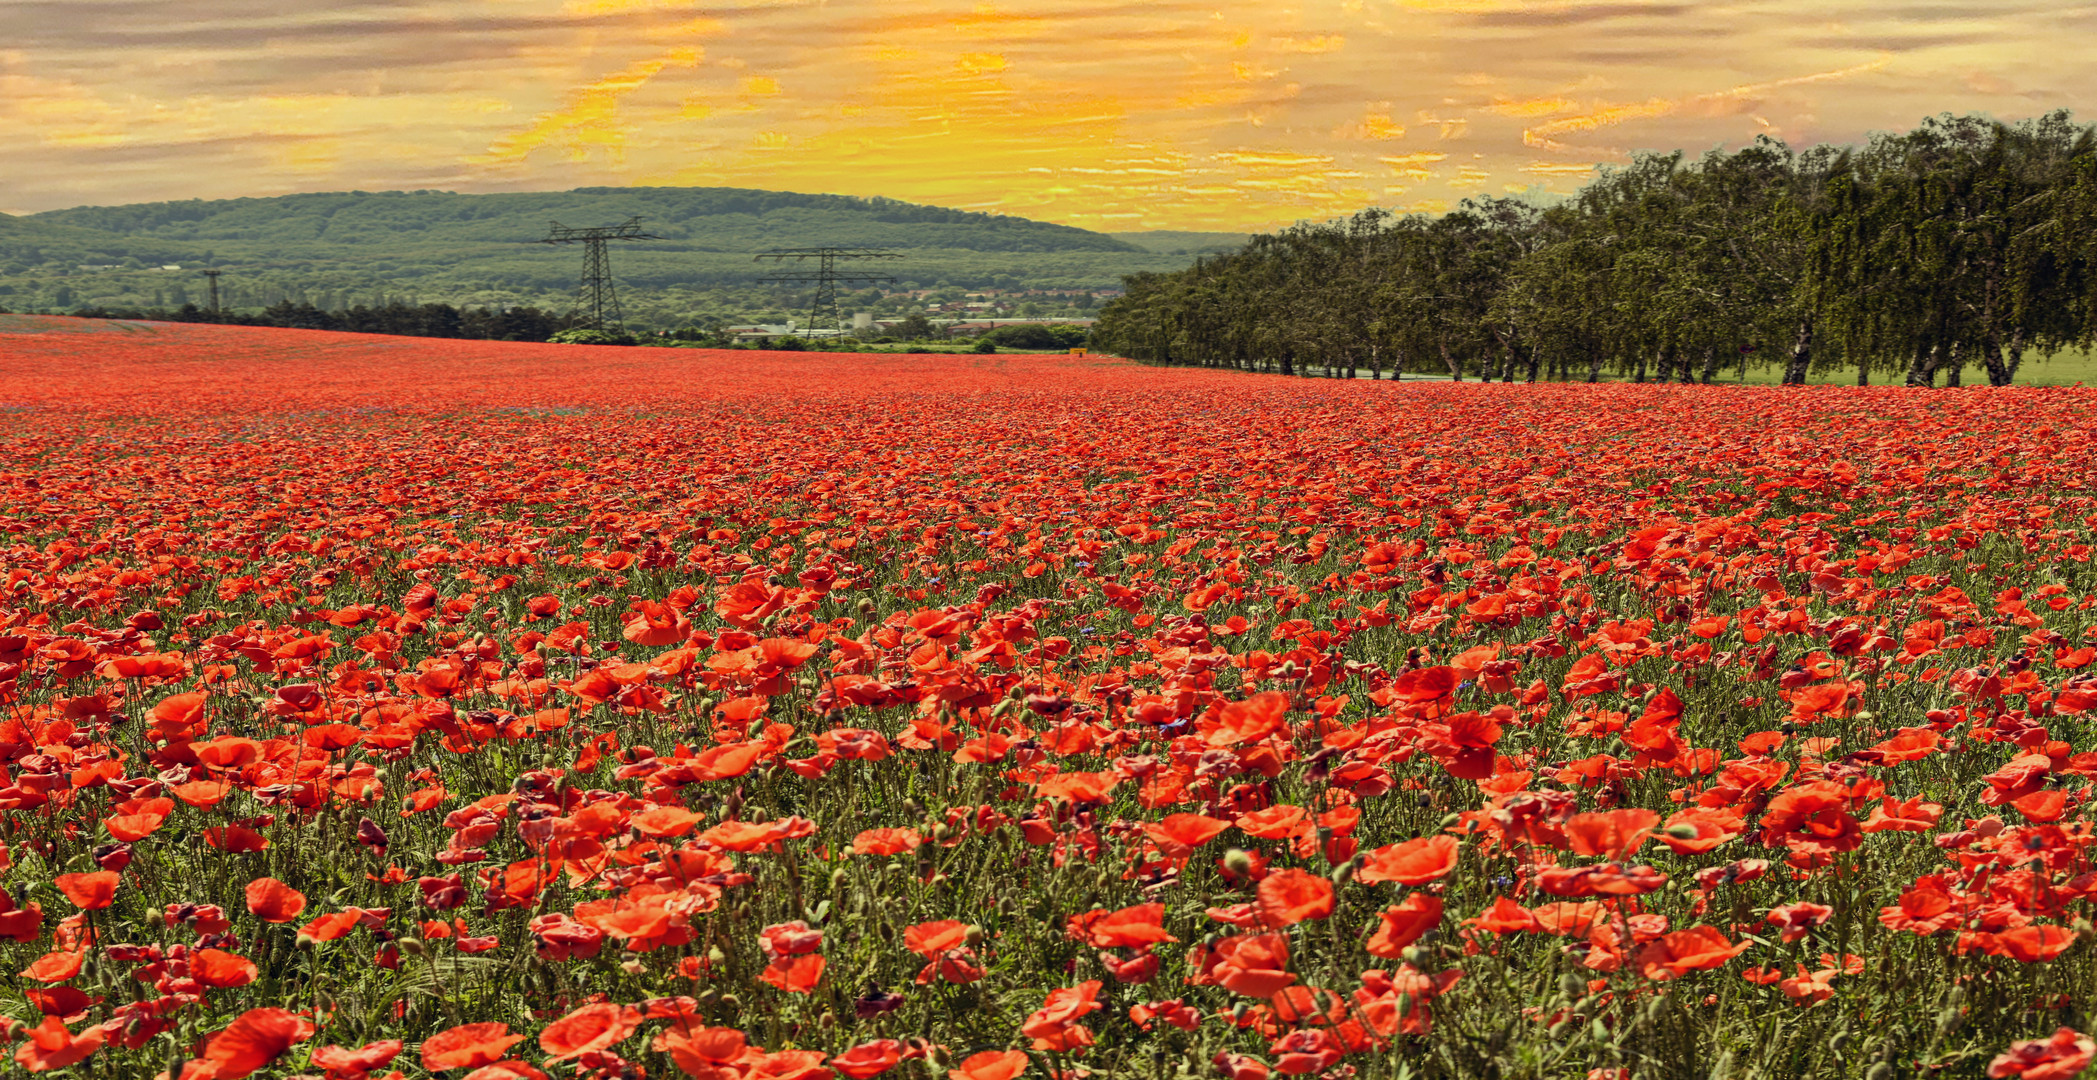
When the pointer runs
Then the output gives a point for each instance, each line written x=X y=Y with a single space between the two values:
x=1963 y=241
x=590 y=335
x=1039 y=337
x=984 y=344
x=917 y=327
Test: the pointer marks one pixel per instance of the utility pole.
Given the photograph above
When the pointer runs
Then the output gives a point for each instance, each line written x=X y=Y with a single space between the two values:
x=826 y=278
x=598 y=296
x=212 y=277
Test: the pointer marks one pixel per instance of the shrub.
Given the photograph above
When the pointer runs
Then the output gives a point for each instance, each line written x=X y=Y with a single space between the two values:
x=586 y=335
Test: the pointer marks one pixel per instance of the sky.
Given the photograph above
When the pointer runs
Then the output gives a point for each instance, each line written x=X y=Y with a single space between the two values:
x=1116 y=115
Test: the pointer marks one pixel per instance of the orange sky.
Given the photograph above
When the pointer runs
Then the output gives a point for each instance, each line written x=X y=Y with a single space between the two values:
x=1224 y=114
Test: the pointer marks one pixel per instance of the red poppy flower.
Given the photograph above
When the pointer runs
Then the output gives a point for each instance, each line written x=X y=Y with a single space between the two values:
x=254 y=1039
x=90 y=891
x=50 y=1045
x=1412 y=862
x=218 y=968
x=54 y=967
x=592 y=1027
x=794 y=974
x=1611 y=834
x=884 y=842
x=467 y=1046
x=868 y=1059
x=990 y=1065
x=2064 y=1055
x=1131 y=927
x=343 y=1063
x=1288 y=897
x=135 y=819
x=274 y=901
x=1696 y=949
x=1404 y=923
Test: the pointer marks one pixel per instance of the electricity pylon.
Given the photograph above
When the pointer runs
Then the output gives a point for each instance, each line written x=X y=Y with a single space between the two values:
x=826 y=278
x=212 y=276
x=598 y=296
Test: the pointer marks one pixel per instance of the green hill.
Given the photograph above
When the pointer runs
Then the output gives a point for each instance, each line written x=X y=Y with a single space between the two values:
x=1174 y=242
x=358 y=247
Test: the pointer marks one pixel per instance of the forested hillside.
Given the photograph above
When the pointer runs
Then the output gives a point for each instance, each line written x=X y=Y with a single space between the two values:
x=348 y=248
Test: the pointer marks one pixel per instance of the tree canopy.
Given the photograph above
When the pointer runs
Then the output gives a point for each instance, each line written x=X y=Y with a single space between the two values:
x=1963 y=243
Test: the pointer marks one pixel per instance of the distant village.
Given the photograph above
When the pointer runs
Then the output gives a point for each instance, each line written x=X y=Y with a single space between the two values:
x=973 y=314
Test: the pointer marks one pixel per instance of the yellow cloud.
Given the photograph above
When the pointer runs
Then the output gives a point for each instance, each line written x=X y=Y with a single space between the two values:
x=591 y=116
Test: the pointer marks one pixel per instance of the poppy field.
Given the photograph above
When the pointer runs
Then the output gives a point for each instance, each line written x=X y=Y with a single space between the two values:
x=373 y=707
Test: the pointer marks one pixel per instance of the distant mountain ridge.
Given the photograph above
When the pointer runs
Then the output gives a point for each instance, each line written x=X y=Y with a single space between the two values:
x=472 y=248
x=737 y=220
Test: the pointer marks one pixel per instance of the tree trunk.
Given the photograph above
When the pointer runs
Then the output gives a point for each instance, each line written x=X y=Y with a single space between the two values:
x=1991 y=358
x=1456 y=370
x=1863 y=373
x=1594 y=365
x=1535 y=362
x=1639 y=376
x=1921 y=365
x=1710 y=363
x=1801 y=355
x=2015 y=359
x=1955 y=361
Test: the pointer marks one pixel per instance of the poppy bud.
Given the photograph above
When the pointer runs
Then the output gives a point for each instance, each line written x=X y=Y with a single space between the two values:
x=411 y=946
x=1571 y=985
x=1447 y=821
x=1238 y=861
x=973 y=935
x=1837 y=1042
x=1882 y=1070
x=731 y=1002
x=1682 y=831
x=634 y=967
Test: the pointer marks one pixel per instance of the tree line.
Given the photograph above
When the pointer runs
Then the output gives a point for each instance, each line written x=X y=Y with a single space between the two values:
x=1963 y=243
x=393 y=317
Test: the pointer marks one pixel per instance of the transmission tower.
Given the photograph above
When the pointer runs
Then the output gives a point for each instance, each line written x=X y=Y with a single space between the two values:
x=212 y=277
x=826 y=278
x=597 y=295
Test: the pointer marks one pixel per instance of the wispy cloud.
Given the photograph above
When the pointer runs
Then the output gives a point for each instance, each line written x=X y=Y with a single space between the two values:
x=1167 y=113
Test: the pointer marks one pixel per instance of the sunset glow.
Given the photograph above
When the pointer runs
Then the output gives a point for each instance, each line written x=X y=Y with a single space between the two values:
x=1116 y=116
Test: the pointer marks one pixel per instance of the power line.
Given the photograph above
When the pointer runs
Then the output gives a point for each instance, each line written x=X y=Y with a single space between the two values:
x=826 y=278
x=599 y=298
x=212 y=277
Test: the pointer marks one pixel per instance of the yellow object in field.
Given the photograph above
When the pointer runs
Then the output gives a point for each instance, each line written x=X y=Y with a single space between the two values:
x=1077 y=352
